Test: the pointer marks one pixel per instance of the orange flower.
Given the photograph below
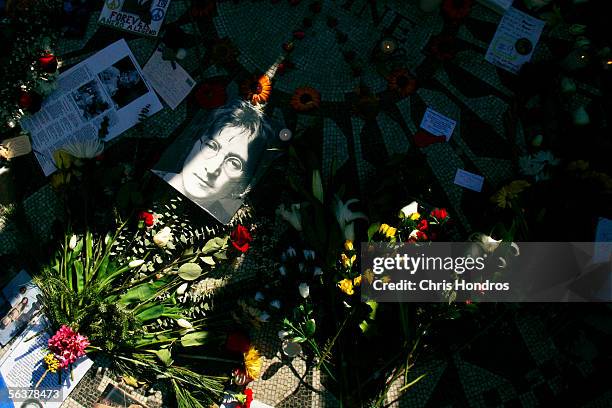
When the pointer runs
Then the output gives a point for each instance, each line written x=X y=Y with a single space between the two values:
x=402 y=82
x=305 y=99
x=257 y=90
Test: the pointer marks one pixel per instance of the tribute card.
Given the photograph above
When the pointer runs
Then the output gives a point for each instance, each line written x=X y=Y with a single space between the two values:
x=438 y=124
x=469 y=180
x=515 y=40
x=19 y=302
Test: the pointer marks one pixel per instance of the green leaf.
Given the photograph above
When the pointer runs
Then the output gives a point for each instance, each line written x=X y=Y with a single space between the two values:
x=299 y=339
x=194 y=339
x=190 y=271
x=310 y=327
x=164 y=356
x=137 y=294
x=373 y=229
x=215 y=244
x=151 y=313
x=374 y=306
x=78 y=268
x=208 y=260
x=317 y=185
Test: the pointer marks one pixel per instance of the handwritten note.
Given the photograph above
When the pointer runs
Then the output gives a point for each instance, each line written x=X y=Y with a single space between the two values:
x=438 y=124
x=169 y=80
x=515 y=40
x=469 y=180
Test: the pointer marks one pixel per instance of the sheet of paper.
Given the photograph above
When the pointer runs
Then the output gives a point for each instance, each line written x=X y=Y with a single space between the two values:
x=469 y=180
x=15 y=147
x=136 y=16
x=515 y=40
x=438 y=124
x=603 y=241
x=169 y=80
x=106 y=87
x=497 y=5
x=21 y=367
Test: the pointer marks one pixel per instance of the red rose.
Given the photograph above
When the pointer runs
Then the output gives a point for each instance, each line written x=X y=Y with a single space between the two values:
x=48 y=63
x=147 y=218
x=211 y=95
x=237 y=343
x=421 y=236
x=457 y=9
x=423 y=225
x=439 y=214
x=249 y=398
x=241 y=237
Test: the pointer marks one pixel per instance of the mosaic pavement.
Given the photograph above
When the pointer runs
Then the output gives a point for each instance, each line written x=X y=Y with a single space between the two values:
x=558 y=355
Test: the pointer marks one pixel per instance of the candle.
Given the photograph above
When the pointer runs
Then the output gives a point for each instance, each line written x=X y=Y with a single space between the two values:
x=387 y=46
x=284 y=135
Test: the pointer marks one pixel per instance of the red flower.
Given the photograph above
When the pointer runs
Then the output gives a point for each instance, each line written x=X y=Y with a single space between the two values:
x=421 y=236
x=439 y=214
x=48 y=63
x=457 y=9
x=423 y=138
x=210 y=95
x=249 y=398
x=237 y=343
x=298 y=35
x=423 y=225
x=147 y=218
x=241 y=237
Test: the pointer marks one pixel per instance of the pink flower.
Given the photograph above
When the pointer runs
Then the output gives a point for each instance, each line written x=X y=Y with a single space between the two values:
x=67 y=345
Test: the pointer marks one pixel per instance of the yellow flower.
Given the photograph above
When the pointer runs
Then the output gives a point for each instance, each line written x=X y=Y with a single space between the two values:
x=415 y=216
x=383 y=228
x=507 y=193
x=348 y=245
x=391 y=232
x=62 y=159
x=357 y=281
x=59 y=179
x=346 y=285
x=253 y=363
x=346 y=261
x=51 y=362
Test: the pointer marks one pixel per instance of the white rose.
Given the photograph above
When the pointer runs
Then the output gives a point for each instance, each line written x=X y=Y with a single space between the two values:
x=163 y=237
x=73 y=242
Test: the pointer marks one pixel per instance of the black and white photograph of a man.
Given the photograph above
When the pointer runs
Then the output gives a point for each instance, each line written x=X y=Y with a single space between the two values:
x=90 y=100
x=214 y=163
x=142 y=8
x=123 y=82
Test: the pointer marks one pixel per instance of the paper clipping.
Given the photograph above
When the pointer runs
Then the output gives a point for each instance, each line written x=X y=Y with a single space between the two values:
x=108 y=86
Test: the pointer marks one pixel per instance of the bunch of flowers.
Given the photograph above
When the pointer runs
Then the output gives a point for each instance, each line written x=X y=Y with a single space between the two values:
x=413 y=227
x=67 y=346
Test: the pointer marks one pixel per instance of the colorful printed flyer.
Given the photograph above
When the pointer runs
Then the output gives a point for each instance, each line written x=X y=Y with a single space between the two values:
x=515 y=40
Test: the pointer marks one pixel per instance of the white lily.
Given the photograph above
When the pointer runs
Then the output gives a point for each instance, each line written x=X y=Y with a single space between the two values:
x=488 y=243
x=409 y=210
x=317 y=271
x=163 y=237
x=291 y=215
x=291 y=252
x=282 y=334
x=259 y=296
x=346 y=217
x=263 y=317
x=282 y=270
x=184 y=324
x=309 y=254
x=304 y=290
x=275 y=304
